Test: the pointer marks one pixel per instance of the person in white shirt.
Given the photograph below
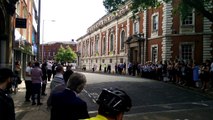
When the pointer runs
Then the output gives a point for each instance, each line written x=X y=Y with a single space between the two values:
x=49 y=70
x=28 y=82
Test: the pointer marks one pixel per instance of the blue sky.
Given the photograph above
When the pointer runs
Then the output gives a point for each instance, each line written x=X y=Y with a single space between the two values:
x=71 y=18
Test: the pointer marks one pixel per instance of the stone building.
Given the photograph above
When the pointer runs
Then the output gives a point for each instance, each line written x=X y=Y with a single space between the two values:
x=156 y=34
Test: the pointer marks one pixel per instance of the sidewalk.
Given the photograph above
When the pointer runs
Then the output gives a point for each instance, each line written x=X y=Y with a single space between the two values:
x=25 y=111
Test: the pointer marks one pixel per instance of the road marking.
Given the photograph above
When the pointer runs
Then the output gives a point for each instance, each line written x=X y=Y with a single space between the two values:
x=93 y=96
x=164 y=111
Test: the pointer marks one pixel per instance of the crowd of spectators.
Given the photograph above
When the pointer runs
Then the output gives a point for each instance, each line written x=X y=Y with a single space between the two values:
x=180 y=72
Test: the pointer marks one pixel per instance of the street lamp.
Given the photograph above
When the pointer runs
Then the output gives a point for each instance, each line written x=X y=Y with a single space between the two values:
x=141 y=39
x=78 y=55
x=42 y=51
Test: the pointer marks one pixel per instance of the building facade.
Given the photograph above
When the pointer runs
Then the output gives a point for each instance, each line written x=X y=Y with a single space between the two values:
x=7 y=11
x=19 y=20
x=50 y=49
x=155 y=34
x=26 y=33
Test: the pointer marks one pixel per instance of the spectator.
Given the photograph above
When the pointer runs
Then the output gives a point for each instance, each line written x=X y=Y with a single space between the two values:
x=112 y=105
x=196 y=74
x=105 y=68
x=67 y=73
x=44 y=78
x=58 y=79
x=205 y=79
x=53 y=69
x=28 y=82
x=66 y=105
x=7 y=111
x=36 y=76
x=49 y=70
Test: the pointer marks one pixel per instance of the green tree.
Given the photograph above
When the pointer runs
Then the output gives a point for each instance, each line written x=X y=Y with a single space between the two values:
x=65 y=54
x=205 y=7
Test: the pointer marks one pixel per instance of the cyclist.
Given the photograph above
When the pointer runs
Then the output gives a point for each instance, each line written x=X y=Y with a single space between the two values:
x=112 y=105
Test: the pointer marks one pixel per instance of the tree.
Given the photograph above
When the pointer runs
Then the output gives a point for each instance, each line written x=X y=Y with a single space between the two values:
x=205 y=7
x=65 y=54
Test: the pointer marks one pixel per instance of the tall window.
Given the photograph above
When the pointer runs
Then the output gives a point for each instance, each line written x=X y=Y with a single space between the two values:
x=96 y=43
x=87 y=49
x=188 y=19
x=154 y=54
x=104 y=46
x=136 y=27
x=186 y=51
x=122 y=39
x=111 y=42
x=155 y=23
x=91 y=48
x=187 y=24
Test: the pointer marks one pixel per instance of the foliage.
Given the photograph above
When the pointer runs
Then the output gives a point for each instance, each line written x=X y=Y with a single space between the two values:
x=204 y=7
x=65 y=54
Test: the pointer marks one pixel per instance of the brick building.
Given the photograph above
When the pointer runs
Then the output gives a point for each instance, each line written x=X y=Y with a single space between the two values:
x=156 y=34
x=7 y=11
x=19 y=20
x=50 y=49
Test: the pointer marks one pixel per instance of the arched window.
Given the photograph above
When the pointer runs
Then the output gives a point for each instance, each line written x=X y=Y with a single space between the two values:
x=122 y=39
x=111 y=42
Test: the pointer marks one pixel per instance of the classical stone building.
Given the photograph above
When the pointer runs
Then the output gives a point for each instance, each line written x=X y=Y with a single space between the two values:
x=50 y=49
x=155 y=34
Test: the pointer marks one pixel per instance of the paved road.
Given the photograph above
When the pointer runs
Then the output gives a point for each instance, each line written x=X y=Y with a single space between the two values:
x=152 y=100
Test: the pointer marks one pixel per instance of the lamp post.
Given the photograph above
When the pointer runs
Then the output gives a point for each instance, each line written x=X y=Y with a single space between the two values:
x=78 y=61
x=42 y=51
x=141 y=39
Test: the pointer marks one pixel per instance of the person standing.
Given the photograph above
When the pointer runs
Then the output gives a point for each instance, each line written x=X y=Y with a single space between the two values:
x=36 y=76
x=44 y=78
x=17 y=68
x=196 y=75
x=49 y=70
x=67 y=73
x=105 y=68
x=205 y=70
x=112 y=105
x=66 y=105
x=28 y=82
x=58 y=79
x=7 y=110
x=17 y=71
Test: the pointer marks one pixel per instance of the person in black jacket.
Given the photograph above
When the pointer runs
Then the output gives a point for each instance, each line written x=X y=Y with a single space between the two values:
x=66 y=105
x=67 y=73
x=44 y=78
x=7 y=111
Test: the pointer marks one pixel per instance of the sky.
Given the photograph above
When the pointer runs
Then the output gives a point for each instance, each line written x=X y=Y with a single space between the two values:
x=64 y=20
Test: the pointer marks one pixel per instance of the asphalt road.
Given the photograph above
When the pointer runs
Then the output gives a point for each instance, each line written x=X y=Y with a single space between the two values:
x=152 y=100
